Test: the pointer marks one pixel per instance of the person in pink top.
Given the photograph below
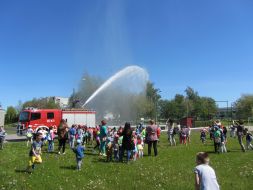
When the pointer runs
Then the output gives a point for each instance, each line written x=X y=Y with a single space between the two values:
x=152 y=137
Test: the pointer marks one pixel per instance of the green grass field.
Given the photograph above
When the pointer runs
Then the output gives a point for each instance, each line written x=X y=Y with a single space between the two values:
x=172 y=169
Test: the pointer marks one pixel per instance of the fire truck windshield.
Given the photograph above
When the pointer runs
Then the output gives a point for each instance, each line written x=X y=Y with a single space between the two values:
x=24 y=116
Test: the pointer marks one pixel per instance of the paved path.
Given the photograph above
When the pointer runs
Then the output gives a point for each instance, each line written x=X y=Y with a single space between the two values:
x=14 y=137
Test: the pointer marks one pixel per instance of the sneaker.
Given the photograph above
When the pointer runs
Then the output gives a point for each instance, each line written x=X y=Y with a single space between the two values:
x=64 y=153
x=59 y=152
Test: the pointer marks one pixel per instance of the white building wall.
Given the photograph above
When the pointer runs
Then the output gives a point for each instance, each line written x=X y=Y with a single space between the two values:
x=2 y=117
x=88 y=119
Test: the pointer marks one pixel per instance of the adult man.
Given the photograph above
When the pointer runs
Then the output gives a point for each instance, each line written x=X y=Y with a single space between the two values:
x=240 y=130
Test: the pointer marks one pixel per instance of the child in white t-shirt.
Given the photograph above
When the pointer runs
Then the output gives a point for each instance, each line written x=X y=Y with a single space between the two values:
x=205 y=178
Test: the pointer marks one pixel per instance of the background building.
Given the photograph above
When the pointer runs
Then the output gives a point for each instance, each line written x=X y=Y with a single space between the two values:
x=63 y=102
x=2 y=116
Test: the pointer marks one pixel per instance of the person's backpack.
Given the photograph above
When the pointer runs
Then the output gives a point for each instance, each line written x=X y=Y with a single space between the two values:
x=217 y=137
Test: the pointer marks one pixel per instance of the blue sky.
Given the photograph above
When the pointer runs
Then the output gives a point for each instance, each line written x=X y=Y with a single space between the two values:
x=45 y=46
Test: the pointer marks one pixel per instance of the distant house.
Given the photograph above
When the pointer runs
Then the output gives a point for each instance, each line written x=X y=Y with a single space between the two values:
x=62 y=101
x=224 y=112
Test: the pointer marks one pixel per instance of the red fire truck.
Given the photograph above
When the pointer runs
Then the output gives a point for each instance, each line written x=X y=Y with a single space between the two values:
x=38 y=118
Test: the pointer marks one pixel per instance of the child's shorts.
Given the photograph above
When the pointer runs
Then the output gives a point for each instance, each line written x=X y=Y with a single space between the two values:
x=139 y=147
x=34 y=159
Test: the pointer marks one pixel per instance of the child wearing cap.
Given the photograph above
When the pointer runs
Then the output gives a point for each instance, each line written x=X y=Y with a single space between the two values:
x=35 y=152
x=205 y=178
x=79 y=151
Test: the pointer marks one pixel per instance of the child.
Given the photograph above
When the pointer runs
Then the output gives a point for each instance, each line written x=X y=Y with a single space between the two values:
x=109 y=147
x=116 y=148
x=79 y=133
x=43 y=132
x=35 y=152
x=120 y=144
x=223 y=148
x=188 y=134
x=72 y=136
x=2 y=137
x=203 y=136
x=183 y=136
x=249 y=138
x=217 y=140
x=50 y=138
x=29 y=136
x=205 y=177
x=79 y=151
x=135 y=150
x=140 y=146
x=97 y=141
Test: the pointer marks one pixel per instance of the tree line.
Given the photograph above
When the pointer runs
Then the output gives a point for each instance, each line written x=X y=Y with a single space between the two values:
x=148 y=104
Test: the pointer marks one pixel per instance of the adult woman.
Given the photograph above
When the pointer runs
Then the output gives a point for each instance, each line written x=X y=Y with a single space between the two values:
x=62 y=136
x=152 y=137
x=103 y=137
x=127 y=142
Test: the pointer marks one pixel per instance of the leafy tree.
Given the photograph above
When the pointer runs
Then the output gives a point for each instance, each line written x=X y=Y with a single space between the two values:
x=11 y=115
x=208 y=108
x=190 y=105
x=153 y=97
x=244 y=107
x=42 y=103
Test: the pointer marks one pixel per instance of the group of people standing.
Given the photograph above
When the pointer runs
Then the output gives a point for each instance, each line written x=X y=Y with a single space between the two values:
x=175 y=129
x=129 y=141
x=218 y=134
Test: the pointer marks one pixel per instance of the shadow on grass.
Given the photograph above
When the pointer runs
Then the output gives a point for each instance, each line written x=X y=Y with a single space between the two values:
x=72 y=167
x=91 y=153
x=22 y=171
x=46 y=152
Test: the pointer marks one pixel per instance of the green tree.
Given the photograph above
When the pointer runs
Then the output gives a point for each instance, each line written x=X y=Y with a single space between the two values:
x=153 y=97
x=11 y=115
x=42 y=103
x=208 y=108
x=190 y=105
x=244 y=107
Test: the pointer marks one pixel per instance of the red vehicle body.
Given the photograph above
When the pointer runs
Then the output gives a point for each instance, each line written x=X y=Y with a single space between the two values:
x=37 y=118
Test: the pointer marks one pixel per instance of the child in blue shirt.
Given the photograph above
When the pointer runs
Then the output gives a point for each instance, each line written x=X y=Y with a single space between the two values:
x=79 y=151
x=35 y=152
x=249 y=138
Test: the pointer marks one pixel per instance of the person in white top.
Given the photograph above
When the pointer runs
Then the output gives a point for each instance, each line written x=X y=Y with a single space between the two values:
x=205 y=178
x=171 y=134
